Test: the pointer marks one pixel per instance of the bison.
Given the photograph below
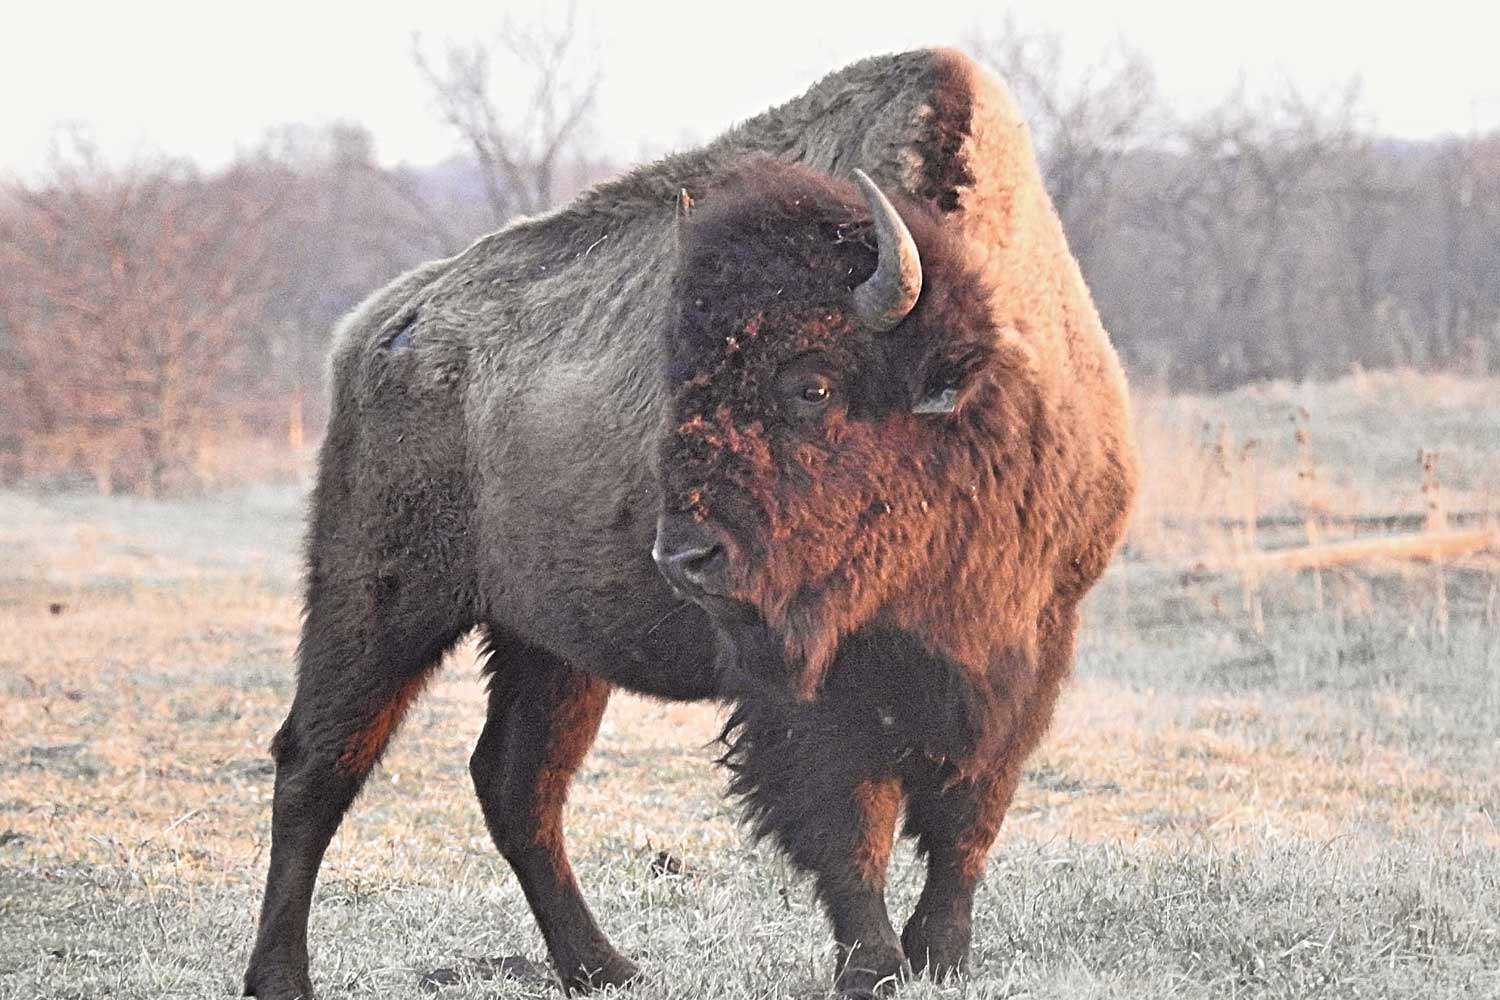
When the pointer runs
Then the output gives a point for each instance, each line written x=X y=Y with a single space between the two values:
x=842 y=453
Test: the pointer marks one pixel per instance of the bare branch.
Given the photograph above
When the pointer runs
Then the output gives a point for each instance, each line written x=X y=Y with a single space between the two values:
x=518 y=146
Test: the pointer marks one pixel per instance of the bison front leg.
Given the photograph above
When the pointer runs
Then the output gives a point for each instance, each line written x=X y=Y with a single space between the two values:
x=543 y=717
x=851 y=882
x=832 y=807
x=955 y=825
x=956 y=821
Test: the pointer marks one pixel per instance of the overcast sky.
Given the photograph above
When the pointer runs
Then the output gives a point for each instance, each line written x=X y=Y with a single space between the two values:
x=202 y=80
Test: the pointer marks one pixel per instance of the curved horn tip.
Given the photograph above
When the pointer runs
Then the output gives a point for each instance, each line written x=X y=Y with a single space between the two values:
x=890 y=294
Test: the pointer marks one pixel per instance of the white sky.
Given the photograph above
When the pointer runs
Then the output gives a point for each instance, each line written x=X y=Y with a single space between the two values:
x=201 y=80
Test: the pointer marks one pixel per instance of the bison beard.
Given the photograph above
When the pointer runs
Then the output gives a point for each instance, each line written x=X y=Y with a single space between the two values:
x=877 y=510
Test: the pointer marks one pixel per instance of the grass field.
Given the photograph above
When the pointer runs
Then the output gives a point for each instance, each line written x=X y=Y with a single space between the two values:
x=1284 y=787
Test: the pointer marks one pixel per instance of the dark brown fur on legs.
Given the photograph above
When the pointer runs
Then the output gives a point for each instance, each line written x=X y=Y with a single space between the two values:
x=956 y=822
x=543 y=717
x=826 y=779
x=954 y=827
x=351 y=693
x=822 y=786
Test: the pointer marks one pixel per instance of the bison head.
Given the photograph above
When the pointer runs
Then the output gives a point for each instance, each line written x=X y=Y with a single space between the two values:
x=844 y=409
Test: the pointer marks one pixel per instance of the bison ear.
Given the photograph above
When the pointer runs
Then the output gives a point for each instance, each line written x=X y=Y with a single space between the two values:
x=951 y=380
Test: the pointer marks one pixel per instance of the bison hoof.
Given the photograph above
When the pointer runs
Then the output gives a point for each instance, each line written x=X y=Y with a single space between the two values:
x=615 y=970
x=278 y=984
x=937 y=950
x=871 y=971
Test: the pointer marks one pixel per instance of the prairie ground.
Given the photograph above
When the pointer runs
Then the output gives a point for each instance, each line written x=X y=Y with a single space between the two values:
x=1277 y=787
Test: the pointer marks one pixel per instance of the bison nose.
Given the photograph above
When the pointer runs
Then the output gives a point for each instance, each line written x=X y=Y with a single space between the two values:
x=690 y=557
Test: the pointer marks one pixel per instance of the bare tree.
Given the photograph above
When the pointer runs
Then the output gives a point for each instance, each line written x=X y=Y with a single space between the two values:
x=1464 y=315
x=123 y=301
x=1243 y=207
x=1367 y=195
x=522 y=143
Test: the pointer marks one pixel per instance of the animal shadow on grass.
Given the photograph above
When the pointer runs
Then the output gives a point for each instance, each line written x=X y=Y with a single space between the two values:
x=516 y=967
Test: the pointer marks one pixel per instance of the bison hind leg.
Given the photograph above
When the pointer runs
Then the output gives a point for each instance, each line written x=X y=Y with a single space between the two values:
x=357 y=677
x=543 y=717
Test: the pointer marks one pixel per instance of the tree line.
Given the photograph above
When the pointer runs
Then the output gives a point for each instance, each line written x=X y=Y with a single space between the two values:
x=151 y=312
x=1274 y=235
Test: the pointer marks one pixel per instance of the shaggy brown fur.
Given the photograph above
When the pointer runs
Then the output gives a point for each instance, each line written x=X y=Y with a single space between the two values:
x=509 y=425
x=838 y=513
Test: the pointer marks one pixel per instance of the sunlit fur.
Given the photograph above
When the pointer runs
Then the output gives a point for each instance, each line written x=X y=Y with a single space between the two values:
x=872 y=505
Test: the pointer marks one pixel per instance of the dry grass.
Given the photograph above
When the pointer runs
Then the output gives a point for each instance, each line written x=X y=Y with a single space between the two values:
x=1308 y=808
x=1237 y=456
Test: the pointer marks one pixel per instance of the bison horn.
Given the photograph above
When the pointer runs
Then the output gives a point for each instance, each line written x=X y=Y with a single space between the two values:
x=890 y=293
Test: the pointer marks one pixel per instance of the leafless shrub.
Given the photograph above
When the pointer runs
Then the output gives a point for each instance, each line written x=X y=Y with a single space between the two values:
x=125 y=302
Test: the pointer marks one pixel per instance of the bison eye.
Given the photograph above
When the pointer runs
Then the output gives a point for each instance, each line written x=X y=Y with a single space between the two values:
x=805 y=392
x=809 y=395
